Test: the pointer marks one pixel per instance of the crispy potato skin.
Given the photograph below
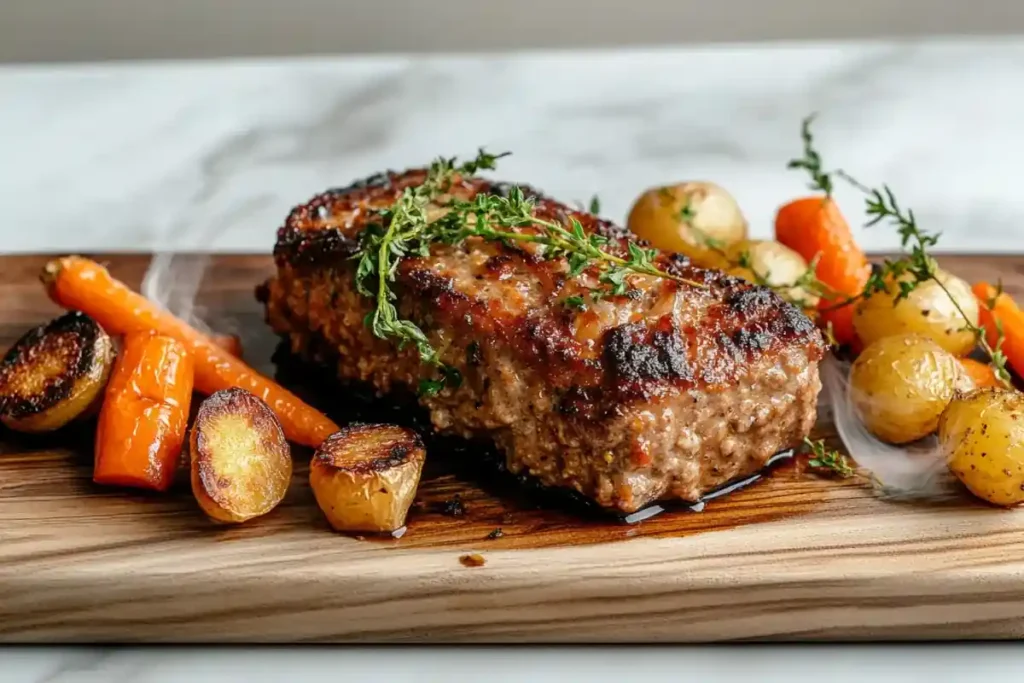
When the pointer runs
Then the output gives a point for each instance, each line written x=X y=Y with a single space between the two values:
x=688 y=218
x=900 y=386
x=927 y=311
x=982 y=435
x=364 y=477
x=54 y=374
x=240 y=460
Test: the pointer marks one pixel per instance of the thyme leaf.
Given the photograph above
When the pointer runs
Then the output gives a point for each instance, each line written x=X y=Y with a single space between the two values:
x=826 y=459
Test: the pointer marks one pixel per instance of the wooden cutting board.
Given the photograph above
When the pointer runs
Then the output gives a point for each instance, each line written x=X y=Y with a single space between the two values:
x=790 y=556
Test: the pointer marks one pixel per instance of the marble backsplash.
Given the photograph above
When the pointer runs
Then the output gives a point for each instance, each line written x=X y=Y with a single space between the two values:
x=211 y=155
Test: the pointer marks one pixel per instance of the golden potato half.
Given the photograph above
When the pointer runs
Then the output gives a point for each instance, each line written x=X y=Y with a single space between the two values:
x=364 y=477
x=241 y=463
x=982 y=436
x=55 y=373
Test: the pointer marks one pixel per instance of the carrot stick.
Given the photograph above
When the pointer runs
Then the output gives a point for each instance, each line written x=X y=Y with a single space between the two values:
x=815 y=228
x=145 y=412
x=994 y=311
x=230 y=343
x=81 y=284
x=982 y=374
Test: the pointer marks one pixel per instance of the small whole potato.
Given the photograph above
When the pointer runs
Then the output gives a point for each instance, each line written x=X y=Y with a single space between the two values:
x=698 y=219
x=775 y=265
x=982 y=436
x=900 y=386
x=928 y=310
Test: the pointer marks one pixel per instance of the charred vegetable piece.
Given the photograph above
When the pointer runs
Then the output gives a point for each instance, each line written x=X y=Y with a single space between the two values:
x=365 y=477
x=241 y=462
x=982 y=435
x=901 y=385
x=54 y=374
x=142 y=424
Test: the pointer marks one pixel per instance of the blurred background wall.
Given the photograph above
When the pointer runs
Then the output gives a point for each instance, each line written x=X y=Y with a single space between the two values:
x=55 y=30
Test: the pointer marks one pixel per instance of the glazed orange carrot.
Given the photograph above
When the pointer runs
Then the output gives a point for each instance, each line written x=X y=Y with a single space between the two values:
x=142 y=422
x=980 y=373
x=815 y=228
x=994 y=311
x=230 y=343
x=83 y=285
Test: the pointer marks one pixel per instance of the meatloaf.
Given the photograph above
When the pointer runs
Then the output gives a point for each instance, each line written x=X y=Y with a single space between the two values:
x=668 y=391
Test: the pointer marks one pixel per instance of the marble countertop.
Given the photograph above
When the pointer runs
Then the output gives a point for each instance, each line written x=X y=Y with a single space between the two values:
x=211 y=156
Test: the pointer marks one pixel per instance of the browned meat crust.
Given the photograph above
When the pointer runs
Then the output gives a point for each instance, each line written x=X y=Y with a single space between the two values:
x=667 y=391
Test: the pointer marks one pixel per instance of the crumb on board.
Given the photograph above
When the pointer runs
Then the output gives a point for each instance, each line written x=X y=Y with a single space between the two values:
x=453 y=507
x=497 y=533
x=474 y=560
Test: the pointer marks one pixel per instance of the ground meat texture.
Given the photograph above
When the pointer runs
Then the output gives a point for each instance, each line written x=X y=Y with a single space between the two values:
x=666 y=392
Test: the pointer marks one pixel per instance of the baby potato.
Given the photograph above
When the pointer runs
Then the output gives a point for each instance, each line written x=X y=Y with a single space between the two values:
x=773 y=264
x=698 y=219
x=928 y=310
x=982 y=435
x=241 y=462
x=364 y=477
x=900 y=386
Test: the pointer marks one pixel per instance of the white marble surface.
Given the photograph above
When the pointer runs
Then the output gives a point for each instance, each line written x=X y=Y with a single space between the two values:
x=212 y=156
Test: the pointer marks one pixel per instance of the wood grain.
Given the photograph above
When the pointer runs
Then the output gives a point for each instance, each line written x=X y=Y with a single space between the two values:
x=791 y=556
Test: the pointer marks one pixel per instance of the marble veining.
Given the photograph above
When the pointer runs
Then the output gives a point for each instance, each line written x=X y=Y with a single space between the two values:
x=211 y=156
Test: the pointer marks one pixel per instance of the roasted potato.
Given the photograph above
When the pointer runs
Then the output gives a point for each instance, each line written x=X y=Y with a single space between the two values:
x=241 y=464
x=364 y=477
x=901 y=385
x=54 y=374
x=982 y=436
x=928 y=310
x=772 y=264
x=697 y=219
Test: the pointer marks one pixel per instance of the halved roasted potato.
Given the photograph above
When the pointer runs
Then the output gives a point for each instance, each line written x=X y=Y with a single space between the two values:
x=364 y=477
x=241 y=463
x=55 y=373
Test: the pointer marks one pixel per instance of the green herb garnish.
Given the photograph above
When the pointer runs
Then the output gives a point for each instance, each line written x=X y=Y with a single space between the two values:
x=824 y=458
x=405 y=230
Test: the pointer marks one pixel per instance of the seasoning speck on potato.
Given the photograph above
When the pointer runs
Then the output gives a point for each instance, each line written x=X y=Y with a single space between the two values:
x=364 y=477
x=982 y=436
x=241 y=462
x=55 y=373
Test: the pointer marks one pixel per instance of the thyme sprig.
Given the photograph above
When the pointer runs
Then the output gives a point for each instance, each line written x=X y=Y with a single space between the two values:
x=811 y=160
x=407 y=229
x=916 y=266
x=826 y=459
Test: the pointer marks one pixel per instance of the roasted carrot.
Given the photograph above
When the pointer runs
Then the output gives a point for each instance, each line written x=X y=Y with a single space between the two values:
x=1001 y=310
x=81 y=284
x=815 y=228
x=980 y=373
x=230 y=343
x=145 y=413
